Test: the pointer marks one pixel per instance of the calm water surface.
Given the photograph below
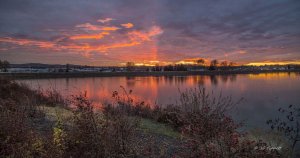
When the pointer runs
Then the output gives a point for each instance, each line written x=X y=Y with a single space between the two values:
x=262 y=93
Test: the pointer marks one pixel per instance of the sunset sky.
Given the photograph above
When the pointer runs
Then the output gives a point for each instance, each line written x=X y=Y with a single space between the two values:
x=112 y=32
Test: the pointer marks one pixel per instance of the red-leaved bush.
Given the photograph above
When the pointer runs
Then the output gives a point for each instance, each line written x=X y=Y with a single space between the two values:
x=210 y=132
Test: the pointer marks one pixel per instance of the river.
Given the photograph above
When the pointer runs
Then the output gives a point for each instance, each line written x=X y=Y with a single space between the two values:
x=262 y=93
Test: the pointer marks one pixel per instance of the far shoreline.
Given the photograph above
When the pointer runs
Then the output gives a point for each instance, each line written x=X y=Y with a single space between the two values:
x=132 y=74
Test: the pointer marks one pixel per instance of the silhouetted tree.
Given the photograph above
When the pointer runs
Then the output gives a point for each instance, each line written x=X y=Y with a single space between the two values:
x=180 y=67
x=224 y=63
x=156 y=68
x=130 y=66
x=200 y=62
x=232 y=64
x=67 y=67
x=169 y=68
x=4 y=65
x=148 y=69
x=213 y=64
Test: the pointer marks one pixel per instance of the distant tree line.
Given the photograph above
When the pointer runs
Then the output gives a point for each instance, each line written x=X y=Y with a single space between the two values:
x=177 y=67
x=4 y=65
x=200 y=63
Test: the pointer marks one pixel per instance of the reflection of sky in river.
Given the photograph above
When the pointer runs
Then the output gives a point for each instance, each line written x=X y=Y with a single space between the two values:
x=262 y=93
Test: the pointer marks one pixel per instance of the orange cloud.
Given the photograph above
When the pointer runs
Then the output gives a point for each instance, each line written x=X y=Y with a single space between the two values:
x=145 y=36
x=117 y=45
x=137 y=35
x=91 y=27
x=128 y=25
x=111 y=28
x=93 y=36
x=130 y=39
x=135 y=38
x=242 y=52
x=73 y=47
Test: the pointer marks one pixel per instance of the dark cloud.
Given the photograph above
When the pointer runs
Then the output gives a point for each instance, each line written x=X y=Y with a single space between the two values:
x=191 y=28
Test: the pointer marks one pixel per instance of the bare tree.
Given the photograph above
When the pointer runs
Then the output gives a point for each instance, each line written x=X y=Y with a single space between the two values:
x=67 y=67
x=200 y=62
x=213 y=64
x=224 y=63
x=232 y=64
x=130 y=66
x=4 y=65
x=1 y=65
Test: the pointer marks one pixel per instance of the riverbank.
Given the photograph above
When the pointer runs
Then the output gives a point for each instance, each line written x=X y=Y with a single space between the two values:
x=131 y=74
x=36 y=124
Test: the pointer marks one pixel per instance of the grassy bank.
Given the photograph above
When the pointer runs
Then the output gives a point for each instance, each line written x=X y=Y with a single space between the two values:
x=120 y=74
x=43 y=124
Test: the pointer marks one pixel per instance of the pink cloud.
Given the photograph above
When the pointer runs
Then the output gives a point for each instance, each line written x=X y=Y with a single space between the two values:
x=106 y=20
x=145 y=36
x=91 y=27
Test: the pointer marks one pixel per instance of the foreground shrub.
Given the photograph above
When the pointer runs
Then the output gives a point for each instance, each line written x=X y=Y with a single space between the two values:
x=124 y=102
x=18 y=112
x=51 y=97
x=209 y=131
x=288 y=124
x=171 y=115
x=94 y=134
x=202 y=119
x=90 y=133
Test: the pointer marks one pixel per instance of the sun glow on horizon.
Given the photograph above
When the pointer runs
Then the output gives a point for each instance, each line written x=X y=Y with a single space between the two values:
x=273 y=63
